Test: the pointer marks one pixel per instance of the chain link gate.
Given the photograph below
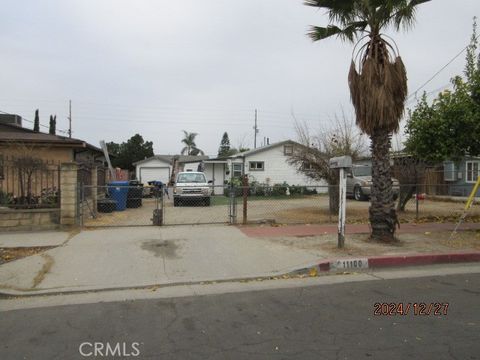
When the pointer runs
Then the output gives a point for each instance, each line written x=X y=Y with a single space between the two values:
x=119 y=205
x=127 y=205
x=195 y=206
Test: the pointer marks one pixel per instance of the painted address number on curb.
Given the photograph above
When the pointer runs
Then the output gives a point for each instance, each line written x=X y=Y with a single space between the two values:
x=350 y=264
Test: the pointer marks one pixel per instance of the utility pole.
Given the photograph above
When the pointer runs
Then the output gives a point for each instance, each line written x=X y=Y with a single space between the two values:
x=69 y=118
x=255 y=128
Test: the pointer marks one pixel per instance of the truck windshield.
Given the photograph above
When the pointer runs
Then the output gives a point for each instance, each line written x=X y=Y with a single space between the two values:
x=191 y=178
x=362 y=171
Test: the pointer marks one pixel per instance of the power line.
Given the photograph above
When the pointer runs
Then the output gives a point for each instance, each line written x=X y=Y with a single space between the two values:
x=437 y=90
x=441 y=69
x=32 y=122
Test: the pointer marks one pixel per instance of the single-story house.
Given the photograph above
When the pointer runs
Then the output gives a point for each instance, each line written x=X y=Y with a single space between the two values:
x=15 y=139
x=452 y=178
x=162 y=167
x=21 y=148
x=265 y=165
x=461 y=176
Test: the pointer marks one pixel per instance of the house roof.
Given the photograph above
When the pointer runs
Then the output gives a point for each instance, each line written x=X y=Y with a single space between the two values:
x=169 y=158
x=191 y=158
x=261 y=149
x=10 y=133
x=164 y=158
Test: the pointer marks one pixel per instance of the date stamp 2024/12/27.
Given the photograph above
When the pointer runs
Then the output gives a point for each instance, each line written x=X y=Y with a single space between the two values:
x=416 y=309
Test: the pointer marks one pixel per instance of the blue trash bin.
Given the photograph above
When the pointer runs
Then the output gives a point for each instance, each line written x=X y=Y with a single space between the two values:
x=118 y=191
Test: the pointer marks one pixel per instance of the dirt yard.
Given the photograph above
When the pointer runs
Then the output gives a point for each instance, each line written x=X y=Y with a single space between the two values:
x=359 y=245
x=308 y=210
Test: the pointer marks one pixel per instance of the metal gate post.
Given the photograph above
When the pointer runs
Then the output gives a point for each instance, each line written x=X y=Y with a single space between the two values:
x=80 y=197
x=162 y=204
x=233 y=206
x=157 y=217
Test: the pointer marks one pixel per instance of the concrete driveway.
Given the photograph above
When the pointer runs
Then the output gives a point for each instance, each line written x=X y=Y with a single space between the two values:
x=142 y=256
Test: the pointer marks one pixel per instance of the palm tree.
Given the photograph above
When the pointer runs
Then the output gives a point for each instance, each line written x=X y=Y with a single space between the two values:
x=190 y=146
x=378 y=86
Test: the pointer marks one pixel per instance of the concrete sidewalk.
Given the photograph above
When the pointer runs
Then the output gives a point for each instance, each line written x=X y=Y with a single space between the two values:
x=31 y=239
x=157 y=256
x=143 y=256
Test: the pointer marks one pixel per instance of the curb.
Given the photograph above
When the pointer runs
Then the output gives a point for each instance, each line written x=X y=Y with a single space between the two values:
x=376 y=262
x=342 y=264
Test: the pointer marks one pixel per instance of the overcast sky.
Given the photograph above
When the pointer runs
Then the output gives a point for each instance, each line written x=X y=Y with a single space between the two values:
x=156 y=67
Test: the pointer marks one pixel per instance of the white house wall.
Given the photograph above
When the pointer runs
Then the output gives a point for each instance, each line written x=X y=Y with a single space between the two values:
x=276 y=169
x=215 y=173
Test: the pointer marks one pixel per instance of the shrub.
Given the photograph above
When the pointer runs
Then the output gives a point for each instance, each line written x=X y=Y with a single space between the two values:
x=297 y=190
x=279 y=189
x=308 y=191
x=5 y=198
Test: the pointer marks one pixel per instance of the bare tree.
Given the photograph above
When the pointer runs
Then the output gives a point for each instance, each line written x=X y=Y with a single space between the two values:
x=312 y=158
x=27 y=164
x=408 y=170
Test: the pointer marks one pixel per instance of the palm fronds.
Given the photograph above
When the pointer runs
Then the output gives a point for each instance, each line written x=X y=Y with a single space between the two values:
x=378 y=94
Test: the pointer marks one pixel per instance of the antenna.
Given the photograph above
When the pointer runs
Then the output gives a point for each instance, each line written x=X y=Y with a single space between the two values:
x=255 y=128
x=69 y=118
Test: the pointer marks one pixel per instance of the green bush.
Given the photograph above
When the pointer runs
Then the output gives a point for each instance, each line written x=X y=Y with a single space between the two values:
x=5 y=198
x=297 y=190
x=279 y=189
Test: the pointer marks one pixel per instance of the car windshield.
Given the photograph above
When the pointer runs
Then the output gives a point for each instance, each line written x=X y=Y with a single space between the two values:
x=191 y=178
x=362 y=171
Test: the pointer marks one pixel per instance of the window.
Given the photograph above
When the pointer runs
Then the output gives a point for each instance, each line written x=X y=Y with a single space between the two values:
x=288 y=149
x=306 y=166
x=257 y=166
x=237 y=170
x=448 y=171
x=472 y=171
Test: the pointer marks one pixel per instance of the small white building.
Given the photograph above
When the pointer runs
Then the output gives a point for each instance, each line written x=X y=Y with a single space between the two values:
x=160 y=167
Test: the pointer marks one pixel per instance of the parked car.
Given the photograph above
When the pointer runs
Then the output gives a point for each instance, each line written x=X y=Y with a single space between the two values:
x=359 y=183
x=191 y=187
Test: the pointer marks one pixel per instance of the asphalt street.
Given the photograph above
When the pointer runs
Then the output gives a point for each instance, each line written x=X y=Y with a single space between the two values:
x=317 y=322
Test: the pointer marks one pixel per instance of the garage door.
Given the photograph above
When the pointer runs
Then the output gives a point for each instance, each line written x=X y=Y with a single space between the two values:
x=154 y=173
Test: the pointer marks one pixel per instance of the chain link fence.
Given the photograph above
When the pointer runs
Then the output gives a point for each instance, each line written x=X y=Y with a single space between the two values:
x=273 y=205
x=310 y=205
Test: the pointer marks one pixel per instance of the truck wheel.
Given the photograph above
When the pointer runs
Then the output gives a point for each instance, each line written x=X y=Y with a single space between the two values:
x=357 y=193
x=176 y=202
x=207 y=202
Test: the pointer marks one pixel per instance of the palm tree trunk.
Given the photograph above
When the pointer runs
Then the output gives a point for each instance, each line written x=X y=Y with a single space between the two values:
x=383 y=218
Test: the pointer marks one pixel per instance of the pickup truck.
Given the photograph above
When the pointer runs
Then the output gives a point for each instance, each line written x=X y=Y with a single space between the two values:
x=191 y=187
x=359 y=183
